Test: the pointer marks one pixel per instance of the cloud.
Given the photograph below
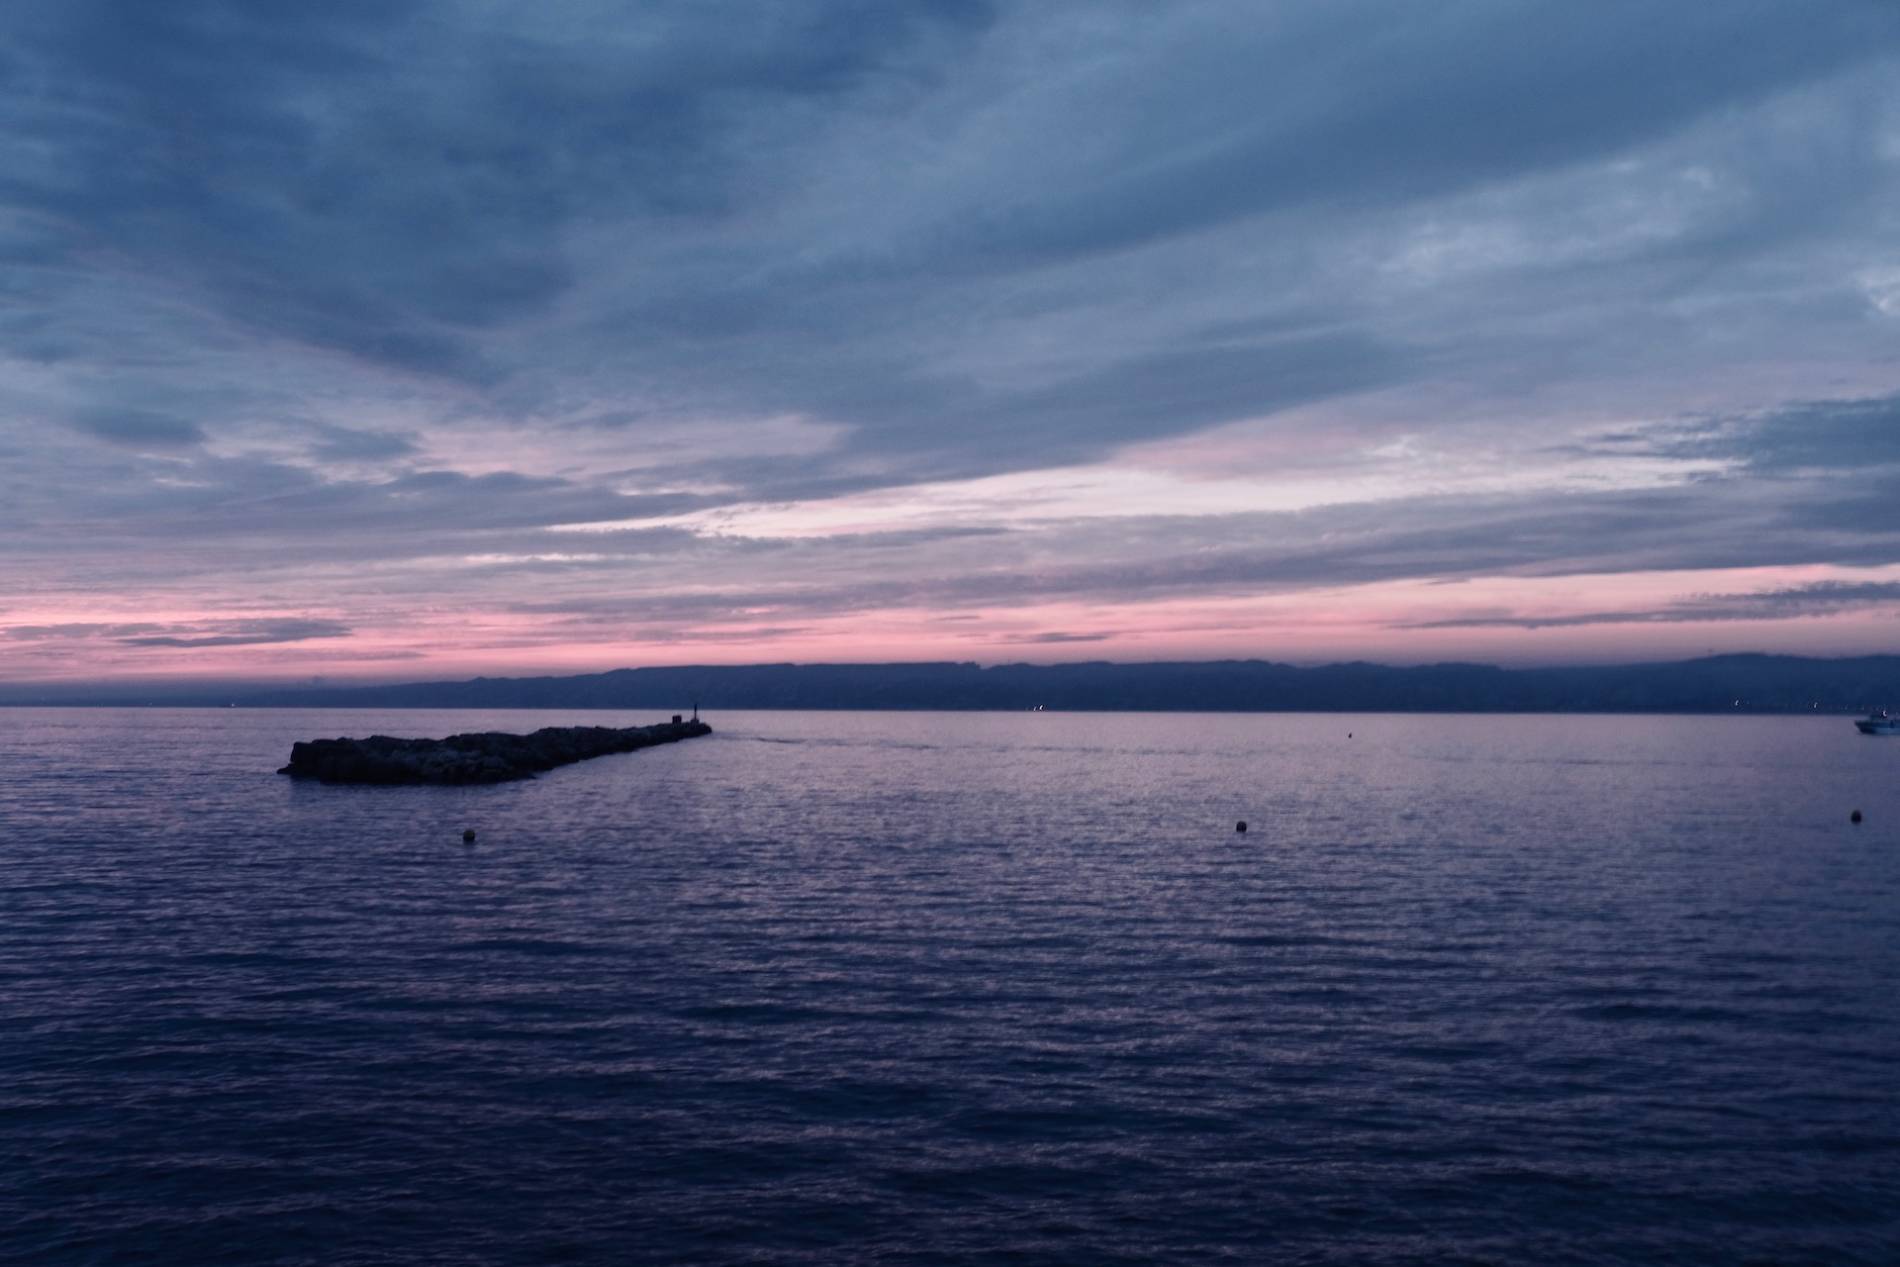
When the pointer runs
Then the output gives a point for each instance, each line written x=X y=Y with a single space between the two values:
x=215 y=633
x=393 y=181
x=1822 y=598
x=1821 y=436
x=140 y=429
x=243 y=633
x=342 y=444
x=360 y=307
x=1050 y=639
x=76 y=629
x=1377 y=104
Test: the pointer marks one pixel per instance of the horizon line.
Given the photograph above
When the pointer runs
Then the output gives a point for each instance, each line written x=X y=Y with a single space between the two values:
x=184 y=684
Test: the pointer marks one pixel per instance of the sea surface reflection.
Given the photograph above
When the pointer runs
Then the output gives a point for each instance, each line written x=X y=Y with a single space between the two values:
x=955 y=988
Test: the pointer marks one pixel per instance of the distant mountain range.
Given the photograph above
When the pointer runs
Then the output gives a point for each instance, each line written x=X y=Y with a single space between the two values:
x=1718 y=684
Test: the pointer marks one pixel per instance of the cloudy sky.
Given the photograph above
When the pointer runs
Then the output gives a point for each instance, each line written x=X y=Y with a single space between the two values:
x=372 y=339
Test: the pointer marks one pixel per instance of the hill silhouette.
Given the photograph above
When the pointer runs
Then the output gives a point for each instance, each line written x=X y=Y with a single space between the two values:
x=1717 y=684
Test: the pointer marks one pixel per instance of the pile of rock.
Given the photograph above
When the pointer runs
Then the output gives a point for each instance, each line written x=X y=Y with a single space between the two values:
x=488 y=757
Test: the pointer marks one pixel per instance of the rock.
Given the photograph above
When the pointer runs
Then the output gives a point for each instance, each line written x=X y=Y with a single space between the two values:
x=487 y=757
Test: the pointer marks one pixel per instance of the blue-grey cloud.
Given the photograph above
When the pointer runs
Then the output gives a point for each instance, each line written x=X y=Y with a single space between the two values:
x=322 y=303
x=346 y=444
x=1379 y=102
x=1055 y=638
x=222 y=633
x=138 y=428
x=1822 y=436
x=1823 y=598
x=393 y=180
x=78 y=629
x=244 y=633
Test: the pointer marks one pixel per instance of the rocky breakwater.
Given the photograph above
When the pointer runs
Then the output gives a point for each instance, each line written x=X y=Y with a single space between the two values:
x=487 y=757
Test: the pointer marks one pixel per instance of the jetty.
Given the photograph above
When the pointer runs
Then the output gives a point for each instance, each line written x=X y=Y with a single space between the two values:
x=482 y=757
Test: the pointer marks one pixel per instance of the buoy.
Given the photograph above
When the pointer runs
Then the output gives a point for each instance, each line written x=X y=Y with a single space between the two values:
x=468 y=835
x=1241 y=826
x=1854 y=817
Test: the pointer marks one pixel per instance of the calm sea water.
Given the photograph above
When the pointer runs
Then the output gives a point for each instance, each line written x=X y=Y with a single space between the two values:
x=950 y=988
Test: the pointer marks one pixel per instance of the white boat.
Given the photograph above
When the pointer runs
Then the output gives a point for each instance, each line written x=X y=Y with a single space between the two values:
x=1878 y=723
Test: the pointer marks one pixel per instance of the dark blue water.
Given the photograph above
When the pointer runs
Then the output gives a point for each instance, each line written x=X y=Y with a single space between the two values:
x=927 y=988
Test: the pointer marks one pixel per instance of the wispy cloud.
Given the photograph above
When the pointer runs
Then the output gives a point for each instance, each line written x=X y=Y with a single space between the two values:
x=245 y=633
x=223 y=633
x=822 y=312
x=1823 y=598
x=1053 y=638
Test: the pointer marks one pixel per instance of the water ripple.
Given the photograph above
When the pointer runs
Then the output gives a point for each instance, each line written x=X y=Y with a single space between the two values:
x=921 y=989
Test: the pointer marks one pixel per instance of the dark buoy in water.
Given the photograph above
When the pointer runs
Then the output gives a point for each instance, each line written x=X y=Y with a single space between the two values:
x=1241 y=826
x=468 y=835
x=1854 y=817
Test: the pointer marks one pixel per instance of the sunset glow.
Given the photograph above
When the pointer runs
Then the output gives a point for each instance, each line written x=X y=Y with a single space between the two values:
x=999 y=334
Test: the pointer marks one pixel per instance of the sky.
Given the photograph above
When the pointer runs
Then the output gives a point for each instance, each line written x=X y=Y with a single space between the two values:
x=376 y=339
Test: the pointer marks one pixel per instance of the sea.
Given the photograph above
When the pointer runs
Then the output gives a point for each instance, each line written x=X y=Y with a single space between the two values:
x=955 y=988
